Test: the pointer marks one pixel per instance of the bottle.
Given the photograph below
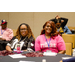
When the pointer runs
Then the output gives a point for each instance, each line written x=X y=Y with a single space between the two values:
x=18 y=48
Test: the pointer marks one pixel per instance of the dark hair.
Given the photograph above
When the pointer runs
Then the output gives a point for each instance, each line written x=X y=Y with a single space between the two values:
x=54 y=31
x=24 y=24
x=18 y=35
x=57 y=20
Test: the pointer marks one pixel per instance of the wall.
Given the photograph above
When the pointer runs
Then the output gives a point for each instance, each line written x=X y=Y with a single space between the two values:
x=34 y=19
x=40 y=18
x=4 y=15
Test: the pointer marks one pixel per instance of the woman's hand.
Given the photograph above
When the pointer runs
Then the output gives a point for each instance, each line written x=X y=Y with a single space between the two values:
x=57 y=17
x=8 y=48
x=24 y=50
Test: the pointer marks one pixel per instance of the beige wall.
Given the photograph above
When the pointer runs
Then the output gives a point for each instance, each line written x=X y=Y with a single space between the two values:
x=34 y=19
x=4 y=15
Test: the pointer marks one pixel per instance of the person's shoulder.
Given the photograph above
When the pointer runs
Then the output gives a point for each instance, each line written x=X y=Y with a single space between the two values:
x=10 y=30
x=31 y=38
x=58 y=37
x=14 y=37
x=41 y=36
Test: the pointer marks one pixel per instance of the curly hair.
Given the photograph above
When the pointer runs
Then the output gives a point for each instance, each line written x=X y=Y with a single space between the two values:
x=54 y=30
x=18 y=35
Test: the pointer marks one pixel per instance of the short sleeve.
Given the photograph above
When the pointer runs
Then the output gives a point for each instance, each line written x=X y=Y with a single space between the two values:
x=11 y=41
x=60 y=43
x=37 y=44
x=8 y=35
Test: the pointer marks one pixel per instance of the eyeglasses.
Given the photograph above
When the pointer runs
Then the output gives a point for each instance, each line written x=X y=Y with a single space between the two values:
x=23 y=29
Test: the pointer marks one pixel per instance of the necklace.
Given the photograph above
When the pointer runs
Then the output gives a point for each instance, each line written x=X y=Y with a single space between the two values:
x=23 y=39
x=3 y=31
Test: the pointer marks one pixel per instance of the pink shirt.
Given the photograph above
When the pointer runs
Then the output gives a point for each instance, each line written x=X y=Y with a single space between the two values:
x=56 y=44
x=7 y=34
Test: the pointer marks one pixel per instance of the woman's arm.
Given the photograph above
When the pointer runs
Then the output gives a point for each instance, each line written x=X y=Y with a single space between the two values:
x=61 y=45
x=65 y=20
x=37 y=44
x=61 y=51
x=8 y=48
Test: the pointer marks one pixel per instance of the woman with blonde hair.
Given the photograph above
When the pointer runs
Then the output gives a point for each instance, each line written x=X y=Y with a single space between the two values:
x=24 y=37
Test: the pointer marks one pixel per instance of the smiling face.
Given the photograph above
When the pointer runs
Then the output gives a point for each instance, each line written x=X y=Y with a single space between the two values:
x=23 y=30
x=48 y=28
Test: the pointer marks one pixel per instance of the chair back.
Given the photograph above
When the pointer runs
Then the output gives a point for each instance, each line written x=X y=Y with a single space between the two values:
x=69 y=38
x=14 y=31
x=69 y=49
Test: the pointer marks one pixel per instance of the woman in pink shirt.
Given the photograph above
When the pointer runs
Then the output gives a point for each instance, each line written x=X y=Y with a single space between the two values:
x=50 y=39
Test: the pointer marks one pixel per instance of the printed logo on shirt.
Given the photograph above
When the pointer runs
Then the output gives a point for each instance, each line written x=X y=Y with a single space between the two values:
x=46 y=46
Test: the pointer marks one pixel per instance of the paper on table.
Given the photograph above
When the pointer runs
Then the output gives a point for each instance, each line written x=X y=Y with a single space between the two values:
x=17 y=56
x=26 y=61
x=49 y=54
x=66 y=58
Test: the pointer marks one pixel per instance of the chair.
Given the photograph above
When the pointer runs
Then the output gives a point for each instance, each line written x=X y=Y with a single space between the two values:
x=69 y=49
x=14 y=31
x=71 y=27
x=69 y=38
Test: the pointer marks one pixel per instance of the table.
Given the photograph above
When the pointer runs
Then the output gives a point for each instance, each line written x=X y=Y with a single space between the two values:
x=56 y=58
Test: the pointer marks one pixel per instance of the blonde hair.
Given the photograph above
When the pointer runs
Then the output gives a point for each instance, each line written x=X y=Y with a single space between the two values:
x=18 y=35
